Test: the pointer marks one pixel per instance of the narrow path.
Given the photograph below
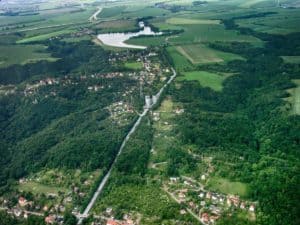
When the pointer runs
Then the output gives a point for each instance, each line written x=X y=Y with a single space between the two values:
x=105 y=179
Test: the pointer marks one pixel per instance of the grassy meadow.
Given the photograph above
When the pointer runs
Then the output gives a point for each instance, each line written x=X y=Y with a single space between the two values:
x=206 y=79
x=228 y=187
x=22 y=54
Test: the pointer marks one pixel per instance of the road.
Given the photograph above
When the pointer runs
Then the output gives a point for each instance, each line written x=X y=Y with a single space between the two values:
x=94 y=16
x=106 y=177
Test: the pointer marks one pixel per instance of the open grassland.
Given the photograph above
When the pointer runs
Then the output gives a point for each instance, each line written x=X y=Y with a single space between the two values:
x=201 y=54
x=37 y=188
x=196 y=33
x=134 y=65
x=206 y=79
x=228 y=187
x=291 y=59
x=22 y=54
x=183 y=21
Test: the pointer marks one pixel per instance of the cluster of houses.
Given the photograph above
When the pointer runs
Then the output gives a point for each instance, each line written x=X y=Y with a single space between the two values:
x=208 y=205
x=107 y=218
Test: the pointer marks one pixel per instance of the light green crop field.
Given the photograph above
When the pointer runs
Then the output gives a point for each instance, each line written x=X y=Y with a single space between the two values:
x=291 y=59
x=228 y=187
x=206 y=79
x=134 y=65
x=201 y=54
x=196 y=33
x=183 y=21
x=22 y=54
x=45 y=36
x=40 y=188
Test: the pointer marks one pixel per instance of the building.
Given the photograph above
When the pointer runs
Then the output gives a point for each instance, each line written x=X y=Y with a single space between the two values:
x=22 y=201
x=112 y=222
x=49 y=219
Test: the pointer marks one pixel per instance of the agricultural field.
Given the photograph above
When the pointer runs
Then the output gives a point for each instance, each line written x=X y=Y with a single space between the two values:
x=22 y=54
x=194 y=33
x=206 y=79
x=116 y=26
x=201 y=54
x=284 y=21
x=180 y=62
x=184 y=21
x=44 y=36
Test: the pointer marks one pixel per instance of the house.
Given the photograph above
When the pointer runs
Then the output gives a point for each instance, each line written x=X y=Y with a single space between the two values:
x=49 y=219
x=17 y=212
x=108 y=210
x=208 y=195
x=201 y=195
x=22 y=201
x=181 y=195
x=205 y=217
x=252 y=208
x=173 y=179
x=182 y=212
x=203 y=177
x=111 y=222
x=242 y=206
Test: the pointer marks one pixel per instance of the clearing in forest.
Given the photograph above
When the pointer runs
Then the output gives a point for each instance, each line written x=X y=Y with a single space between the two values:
x=206 y=79
x=228 y=187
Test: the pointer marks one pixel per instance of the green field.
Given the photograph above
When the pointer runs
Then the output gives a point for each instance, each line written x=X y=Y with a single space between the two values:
x=134 y=65
x=294 y=98
x=183 y=21
x=206 y=79
x=147 y=41
x=284 y=22
x=201 y=54
x=117 y=26
x=111 y=12
x=195 y=33
x=291 y=59
x=22 y=54
x=228 y=187
x=44 y=36
x=40 y=188
x=180 y=62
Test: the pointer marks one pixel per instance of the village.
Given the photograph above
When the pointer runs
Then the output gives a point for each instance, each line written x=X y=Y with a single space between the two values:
x=207 y=205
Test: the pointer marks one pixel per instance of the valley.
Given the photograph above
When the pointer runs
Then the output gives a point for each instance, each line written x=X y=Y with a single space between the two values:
x=146 y=112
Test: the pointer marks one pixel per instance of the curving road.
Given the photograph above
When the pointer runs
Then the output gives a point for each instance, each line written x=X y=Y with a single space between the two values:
x=105 y=179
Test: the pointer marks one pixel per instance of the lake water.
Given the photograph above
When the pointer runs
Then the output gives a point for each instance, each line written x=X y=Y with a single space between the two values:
x=118 y=39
